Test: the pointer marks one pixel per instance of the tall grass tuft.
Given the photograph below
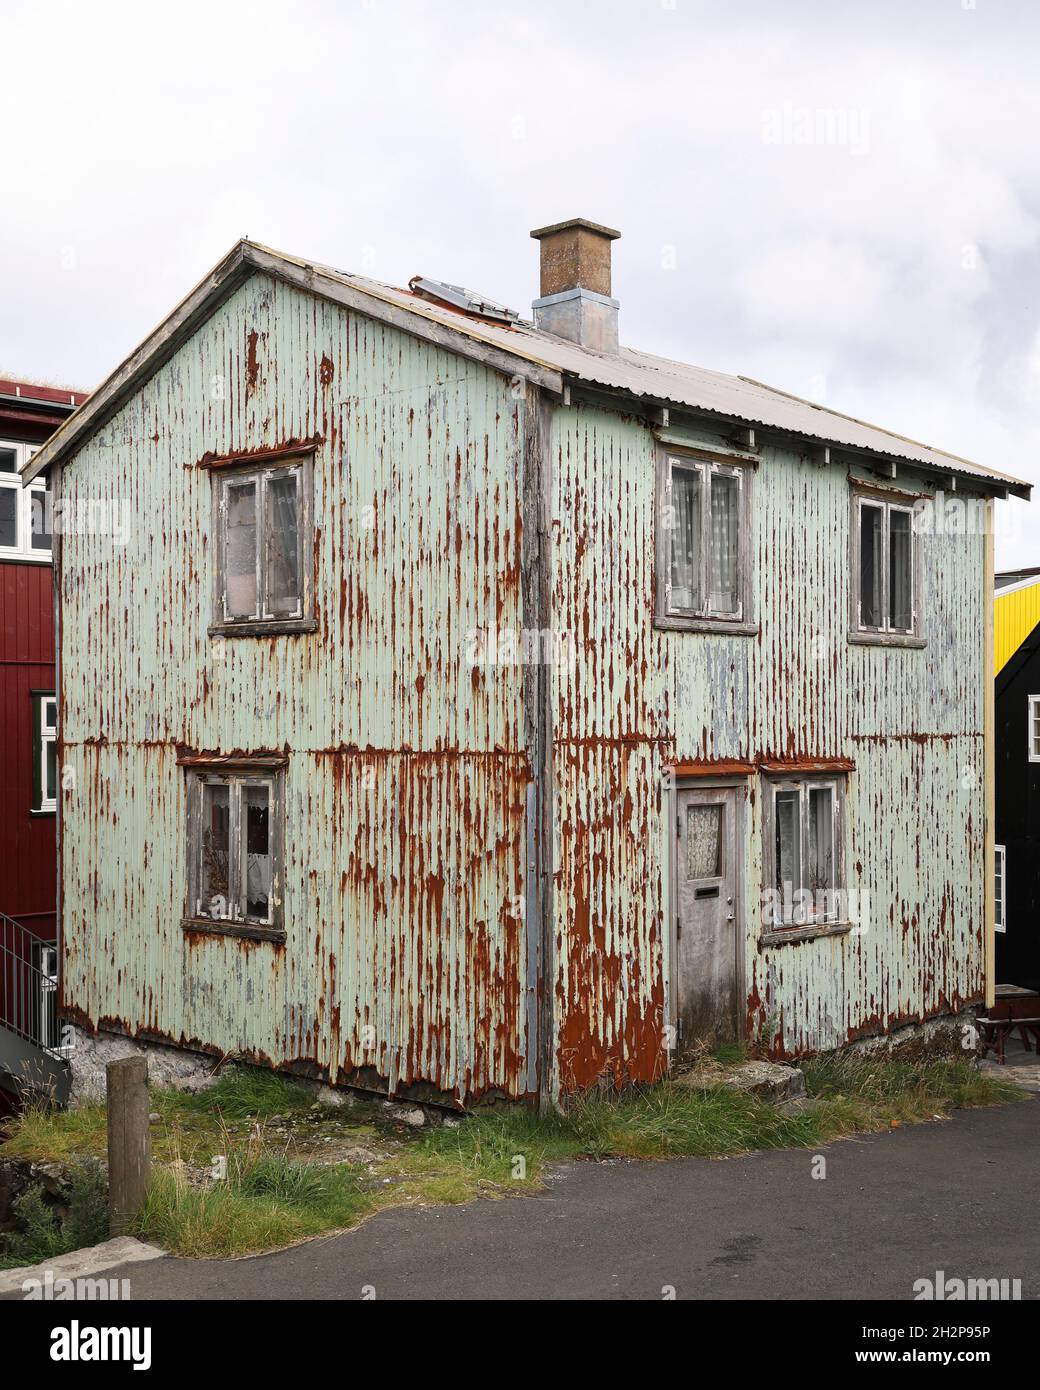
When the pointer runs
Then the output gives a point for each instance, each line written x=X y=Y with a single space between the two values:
x=246 y=1093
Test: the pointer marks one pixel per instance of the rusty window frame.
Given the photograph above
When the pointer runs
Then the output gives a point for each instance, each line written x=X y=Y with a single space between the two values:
x=884 y=634
x=261 y=475
x=837 y=784
x=704 y=618
x=236 y=777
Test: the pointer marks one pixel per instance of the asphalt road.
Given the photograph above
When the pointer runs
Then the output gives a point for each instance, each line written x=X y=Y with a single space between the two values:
x=961 y=1196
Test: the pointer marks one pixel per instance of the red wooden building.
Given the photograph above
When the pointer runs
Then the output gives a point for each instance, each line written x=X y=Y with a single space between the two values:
x=29 y=414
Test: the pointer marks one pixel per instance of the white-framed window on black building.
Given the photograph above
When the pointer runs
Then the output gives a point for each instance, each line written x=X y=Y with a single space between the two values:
x=1034 y=728
x=264 y=536
x=45 y=751
x=25 y=521
x=885 y=571
x=1000 y=888
x=235 y=846
x=702 y=529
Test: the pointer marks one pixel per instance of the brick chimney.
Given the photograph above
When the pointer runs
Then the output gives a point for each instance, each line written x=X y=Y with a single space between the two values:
x=575 y=300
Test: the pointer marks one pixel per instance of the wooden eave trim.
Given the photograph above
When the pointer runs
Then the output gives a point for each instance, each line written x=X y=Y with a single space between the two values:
x=262 y=762
x=724 y=767
x=292 y=448
x=888 y=491
x=735 y=767
x=778 y=766
x=674 y=440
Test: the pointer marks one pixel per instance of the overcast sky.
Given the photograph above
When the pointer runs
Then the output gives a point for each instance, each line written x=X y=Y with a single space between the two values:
x=839 y=199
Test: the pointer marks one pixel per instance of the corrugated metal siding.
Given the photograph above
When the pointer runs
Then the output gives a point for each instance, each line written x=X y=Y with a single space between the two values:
x=641 y=699
x=406 y=960
x=400 y=899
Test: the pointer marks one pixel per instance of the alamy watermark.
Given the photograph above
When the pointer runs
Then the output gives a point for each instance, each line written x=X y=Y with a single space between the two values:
x=80 y=1290
x=490 y=646
x=788 y=906
x=944 y=1289
x=840 y=127
x=85 y=516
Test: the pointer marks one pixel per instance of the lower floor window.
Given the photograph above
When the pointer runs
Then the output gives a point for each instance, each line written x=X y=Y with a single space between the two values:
x=803 y=852
x=234 y=845
x=1000 y=889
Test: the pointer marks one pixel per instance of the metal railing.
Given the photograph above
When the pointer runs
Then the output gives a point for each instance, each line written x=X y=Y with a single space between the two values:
x=29 y=986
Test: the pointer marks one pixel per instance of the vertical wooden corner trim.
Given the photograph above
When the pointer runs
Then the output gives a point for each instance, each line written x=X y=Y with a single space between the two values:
x=536 y=596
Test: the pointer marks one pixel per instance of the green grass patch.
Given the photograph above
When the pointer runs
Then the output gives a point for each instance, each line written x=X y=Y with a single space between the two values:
x=255 y=1209
x=46 y=1135
x=906 y=1091
x=242 y=1093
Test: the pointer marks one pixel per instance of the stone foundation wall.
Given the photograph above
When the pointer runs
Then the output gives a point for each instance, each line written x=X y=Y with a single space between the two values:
x=950 y=1035
x=172 y=1067
x=179 y=1069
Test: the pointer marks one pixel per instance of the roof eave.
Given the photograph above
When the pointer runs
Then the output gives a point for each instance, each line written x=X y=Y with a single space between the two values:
x=1000 y=484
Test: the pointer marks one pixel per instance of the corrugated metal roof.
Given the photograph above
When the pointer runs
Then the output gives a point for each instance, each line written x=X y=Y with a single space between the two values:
x=636 y=374
x=681 y=384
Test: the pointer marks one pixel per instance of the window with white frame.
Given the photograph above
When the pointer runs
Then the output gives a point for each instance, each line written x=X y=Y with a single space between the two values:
x=701 y=540
x=263 y=548
x=1034 y=728
x=804 y=854
x=45 y=751
x=884 y=567
x=1000 y=888
x=235 y=818
x=25 y=529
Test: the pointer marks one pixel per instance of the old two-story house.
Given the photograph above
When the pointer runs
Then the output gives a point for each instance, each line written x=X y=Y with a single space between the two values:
x=477 y=707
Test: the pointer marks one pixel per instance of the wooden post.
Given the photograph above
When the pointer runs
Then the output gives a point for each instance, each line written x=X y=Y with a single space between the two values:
x=129 y=1141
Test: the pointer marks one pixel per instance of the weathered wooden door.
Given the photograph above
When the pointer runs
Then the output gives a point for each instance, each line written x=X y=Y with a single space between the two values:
x=706 y=927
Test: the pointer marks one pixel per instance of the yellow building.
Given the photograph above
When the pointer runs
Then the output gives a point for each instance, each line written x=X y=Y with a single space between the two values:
x=1017 y=613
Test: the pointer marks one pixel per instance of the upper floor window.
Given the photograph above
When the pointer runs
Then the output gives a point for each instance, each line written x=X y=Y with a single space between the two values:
x=45 y=751
x=263 y=537
x=885 y=569
x=25 y=532
x=264 y=545
x=702 y=542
